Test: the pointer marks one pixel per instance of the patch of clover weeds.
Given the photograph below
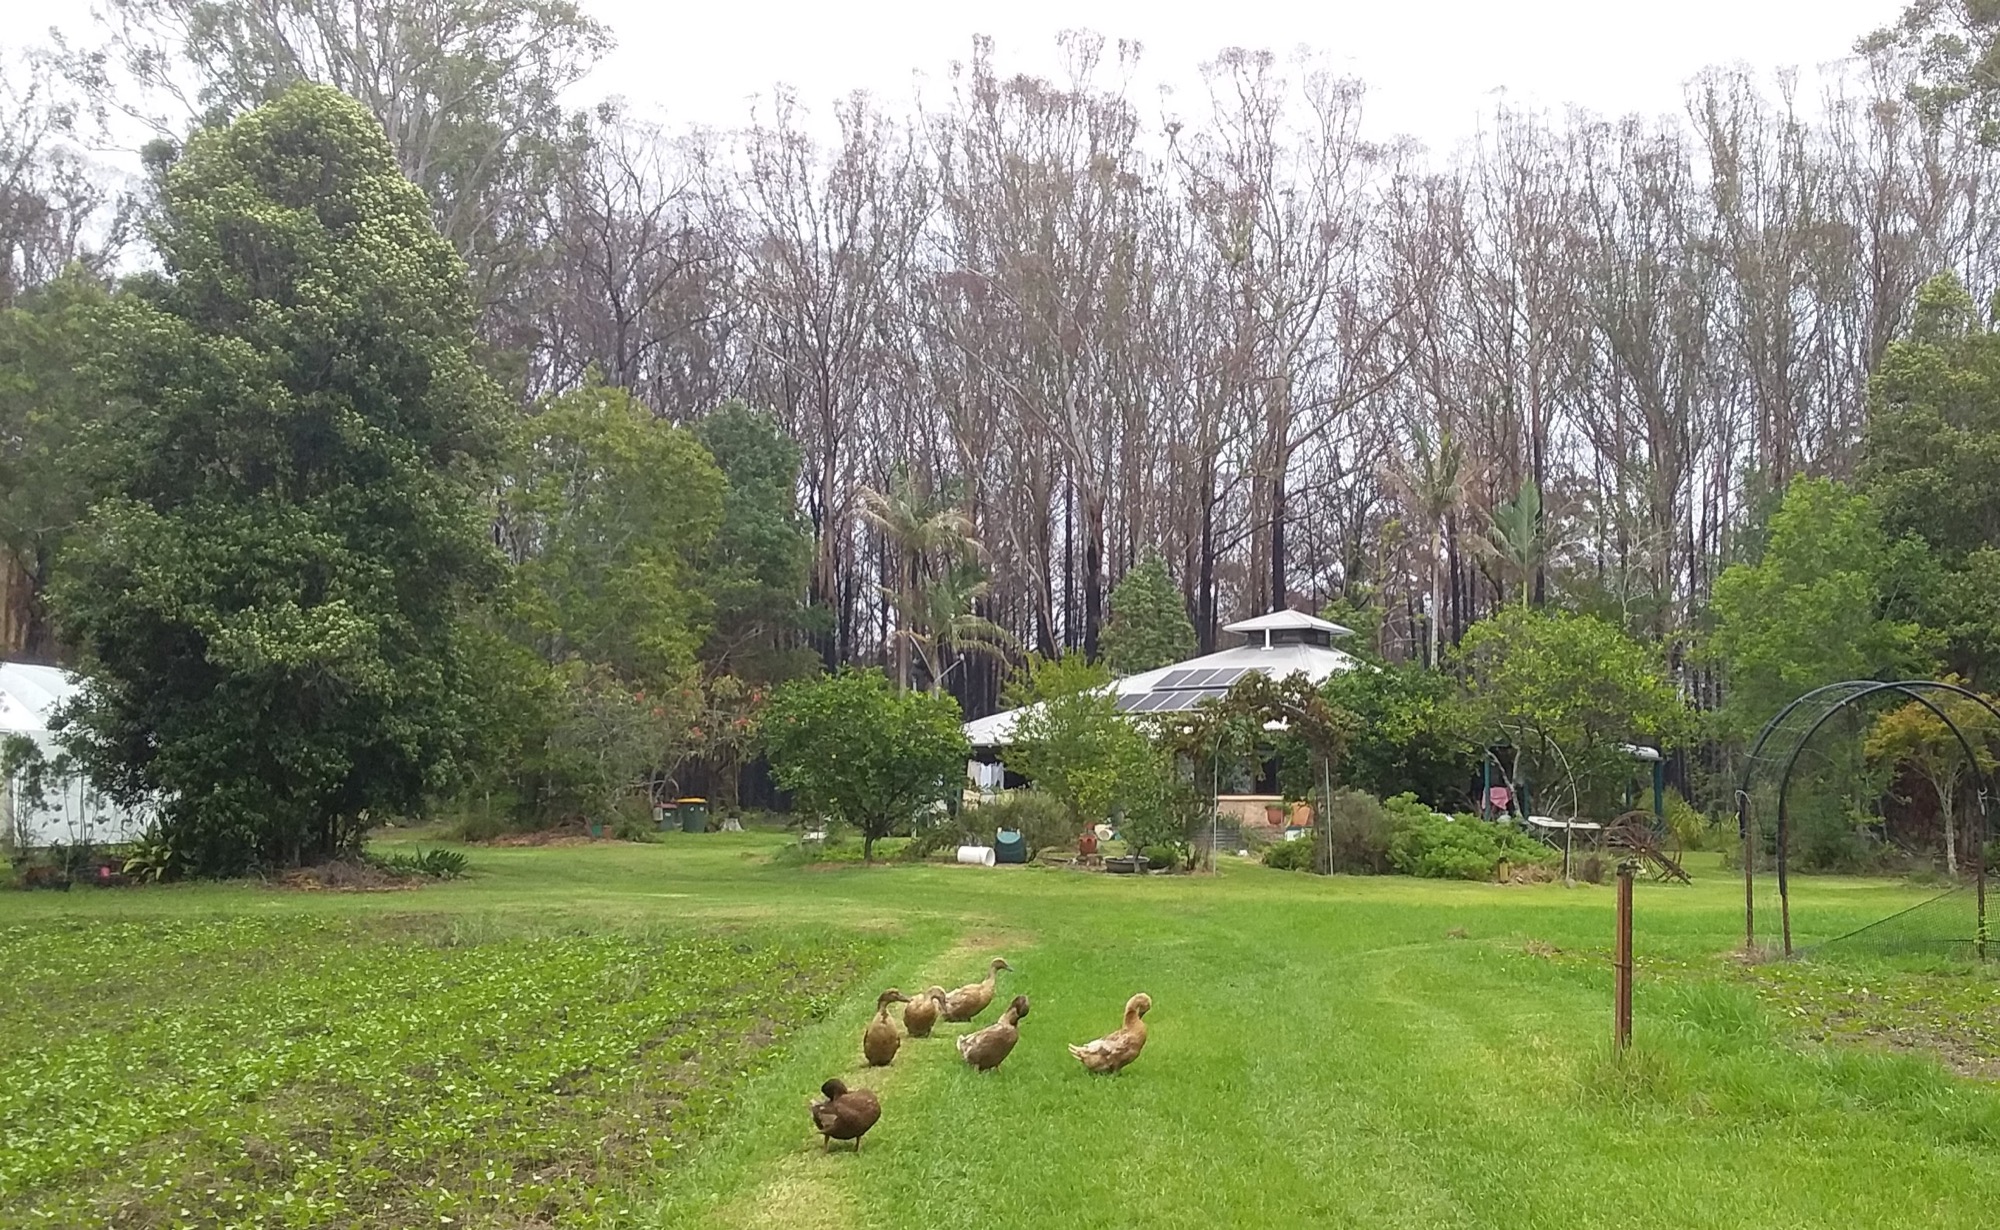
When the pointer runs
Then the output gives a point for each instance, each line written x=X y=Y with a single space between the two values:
x=1948 y=1010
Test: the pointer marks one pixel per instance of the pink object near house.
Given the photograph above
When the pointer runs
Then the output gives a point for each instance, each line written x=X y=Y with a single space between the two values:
x=1498 y=797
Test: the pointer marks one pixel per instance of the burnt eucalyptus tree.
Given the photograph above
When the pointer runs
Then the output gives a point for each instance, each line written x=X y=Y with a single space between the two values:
x=823 y=244
x=1042 y=252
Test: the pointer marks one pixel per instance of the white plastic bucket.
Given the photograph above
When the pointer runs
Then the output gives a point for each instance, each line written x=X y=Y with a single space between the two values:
x=976 y=856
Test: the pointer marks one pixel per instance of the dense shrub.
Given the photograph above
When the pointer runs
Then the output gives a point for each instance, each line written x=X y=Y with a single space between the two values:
x=1294 y=855
x=1041 y=819
x=943 y=833
x=56 y=866
x=1358 y=832
x=1167 y=858
x=633 y=819
x=1456 y=848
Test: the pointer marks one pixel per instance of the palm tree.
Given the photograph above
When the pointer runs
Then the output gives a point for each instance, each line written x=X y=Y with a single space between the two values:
x=925 y=532
x=1521 y=540
x=1434 y=481
x=952 y=628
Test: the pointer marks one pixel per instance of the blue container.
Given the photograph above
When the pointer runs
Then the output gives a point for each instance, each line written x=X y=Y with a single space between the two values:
x=1009 y=847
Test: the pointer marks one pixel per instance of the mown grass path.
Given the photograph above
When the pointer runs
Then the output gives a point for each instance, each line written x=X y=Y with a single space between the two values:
x=1364 y=1052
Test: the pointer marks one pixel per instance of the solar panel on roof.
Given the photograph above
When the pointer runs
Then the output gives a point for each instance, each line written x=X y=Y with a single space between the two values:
x=1181 y=699
x=1128 y=701
x=1226 y=676
x=1172 y=680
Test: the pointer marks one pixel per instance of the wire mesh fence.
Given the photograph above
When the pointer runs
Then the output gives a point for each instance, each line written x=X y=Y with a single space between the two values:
x=1946 y=926
x=1799 y=804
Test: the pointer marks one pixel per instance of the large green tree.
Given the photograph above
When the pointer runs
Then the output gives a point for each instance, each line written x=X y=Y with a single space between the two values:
x=1411 y=732
x=469 y=92
x=1149 y=626
x=612 y=513
x=756 y=568
x=1565 y=692
x=1070 y=740
x=856 y=751
x=1829 y=598
x=1931 y=466
x=266 y=602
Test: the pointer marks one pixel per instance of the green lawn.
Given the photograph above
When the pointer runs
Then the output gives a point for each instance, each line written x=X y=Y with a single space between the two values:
x=629 y=1035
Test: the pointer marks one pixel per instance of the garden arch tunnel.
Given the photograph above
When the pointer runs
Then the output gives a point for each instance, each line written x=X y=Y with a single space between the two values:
x=1777 y=750
x=1255 y=705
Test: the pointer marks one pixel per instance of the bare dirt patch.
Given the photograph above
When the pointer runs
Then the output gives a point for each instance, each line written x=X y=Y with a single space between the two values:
x=571 y=834
x=349 y=877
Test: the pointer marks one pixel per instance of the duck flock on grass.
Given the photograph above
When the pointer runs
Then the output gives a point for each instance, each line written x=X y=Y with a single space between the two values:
x=847 y=1114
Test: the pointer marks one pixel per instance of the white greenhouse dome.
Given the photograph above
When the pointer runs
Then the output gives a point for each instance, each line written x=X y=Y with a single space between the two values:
x=70 y=811
x=1279 y=644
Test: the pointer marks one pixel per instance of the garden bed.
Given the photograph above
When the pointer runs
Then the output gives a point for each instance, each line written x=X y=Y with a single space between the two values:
x=299 y=1071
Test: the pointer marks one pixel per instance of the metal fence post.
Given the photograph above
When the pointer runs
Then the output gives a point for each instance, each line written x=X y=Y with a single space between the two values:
x=1621 y=961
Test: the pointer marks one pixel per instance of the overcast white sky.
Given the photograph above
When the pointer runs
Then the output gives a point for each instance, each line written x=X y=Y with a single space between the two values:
x=1433 y=66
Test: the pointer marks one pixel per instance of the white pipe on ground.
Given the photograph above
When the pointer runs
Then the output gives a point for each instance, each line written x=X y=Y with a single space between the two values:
x=976 y=856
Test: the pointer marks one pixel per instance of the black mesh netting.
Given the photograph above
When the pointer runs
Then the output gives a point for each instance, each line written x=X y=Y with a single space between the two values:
x=1945 y=926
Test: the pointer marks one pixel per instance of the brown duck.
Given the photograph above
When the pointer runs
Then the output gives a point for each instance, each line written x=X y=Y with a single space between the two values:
x=845 y=1114
x=880 y=1040
x=922 y=1012
x=971 y=1000
x=987 y=1047
x=1114 y=1050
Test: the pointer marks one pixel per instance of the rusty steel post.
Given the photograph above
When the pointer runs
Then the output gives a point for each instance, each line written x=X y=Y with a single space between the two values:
x=1621 y=961
x=1749 y=874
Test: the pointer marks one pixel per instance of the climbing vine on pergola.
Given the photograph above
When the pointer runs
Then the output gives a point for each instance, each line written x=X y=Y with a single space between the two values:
x=1238 y=721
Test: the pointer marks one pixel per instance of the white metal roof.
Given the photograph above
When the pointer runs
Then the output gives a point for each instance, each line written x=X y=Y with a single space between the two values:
x=1316 y=662
x=1279 y=620
x=29 y=694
